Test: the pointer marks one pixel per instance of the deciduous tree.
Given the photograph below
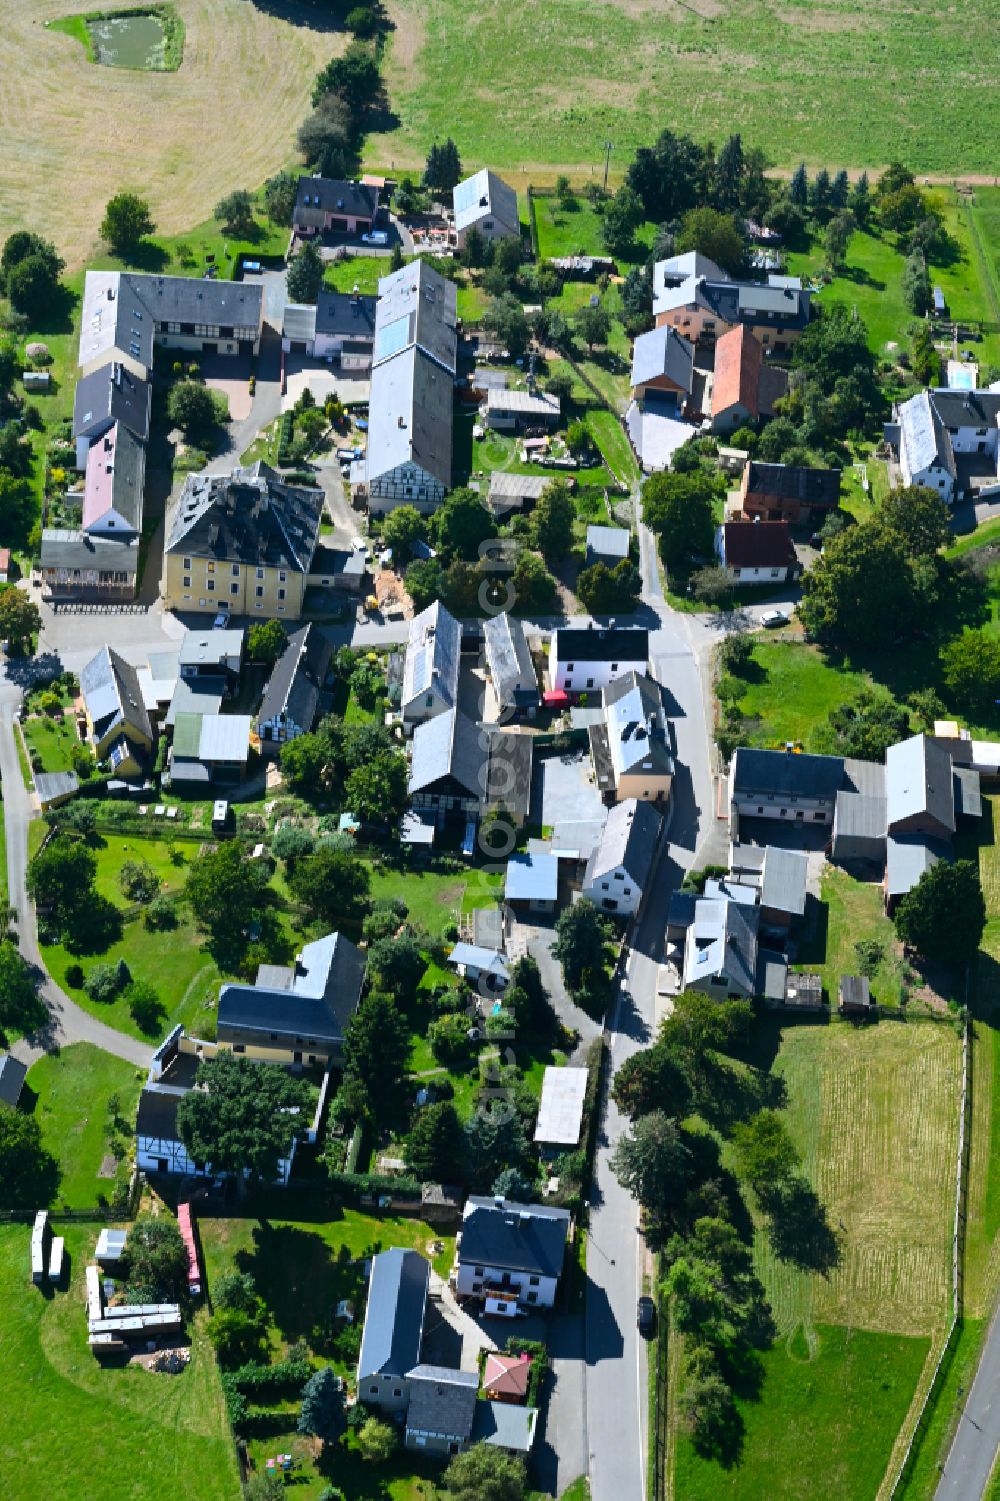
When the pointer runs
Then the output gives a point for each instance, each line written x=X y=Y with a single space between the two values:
x=944 y=914
x=305 y=274
x=29 y=1174
x=127 y=221
x=242 y=1116
x=331 y=883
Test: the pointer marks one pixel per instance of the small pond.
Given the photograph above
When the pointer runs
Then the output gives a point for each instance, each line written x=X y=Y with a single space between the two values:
x=129 y=41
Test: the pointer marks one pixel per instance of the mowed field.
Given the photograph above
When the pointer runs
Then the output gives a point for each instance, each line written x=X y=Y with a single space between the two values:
x=547 y=82
x=73 y=1430
x=874 y=1112
x=75 y=132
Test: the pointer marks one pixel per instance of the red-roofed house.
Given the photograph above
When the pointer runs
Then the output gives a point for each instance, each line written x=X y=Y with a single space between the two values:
x=756 y=552
x=505 y=1377
x=745 y=387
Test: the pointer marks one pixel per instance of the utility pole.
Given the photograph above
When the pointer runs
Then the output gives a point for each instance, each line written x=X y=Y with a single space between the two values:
x=607 y=162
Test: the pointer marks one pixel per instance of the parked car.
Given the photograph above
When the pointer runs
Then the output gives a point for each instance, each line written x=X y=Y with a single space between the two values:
x=645 y=1318
x=221 y=622
x=376 y=237
x=771 y=618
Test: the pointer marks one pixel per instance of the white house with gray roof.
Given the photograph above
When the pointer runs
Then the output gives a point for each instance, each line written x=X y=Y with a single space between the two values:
x=118 y=725
x=414 y=358
x=620 y=867
x=295 y=1013
x=431 y=665
x=510 y=1251
x=508 y=660
x=486 y=203
x=662 y=361
x=948 y=440
x=126 y=314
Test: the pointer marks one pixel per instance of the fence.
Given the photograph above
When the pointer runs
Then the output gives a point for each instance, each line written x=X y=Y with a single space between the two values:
x=127 y=1211
x=895 y=1487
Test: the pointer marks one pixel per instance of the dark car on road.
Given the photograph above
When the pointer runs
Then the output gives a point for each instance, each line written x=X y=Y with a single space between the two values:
x=645 y=1317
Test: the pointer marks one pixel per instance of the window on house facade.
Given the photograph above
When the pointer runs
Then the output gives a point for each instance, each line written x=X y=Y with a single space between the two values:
x=260 y=573
x=282 y=578
x=187 y=563
x=234 y=588
x=186 y=581
x=209 y=567
x=236 y=570
x=210 y=586
x=259 y=591
x=281 y=593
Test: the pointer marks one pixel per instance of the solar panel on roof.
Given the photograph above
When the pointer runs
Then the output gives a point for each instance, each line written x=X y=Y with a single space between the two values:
x=393 y=337
x=466 y=194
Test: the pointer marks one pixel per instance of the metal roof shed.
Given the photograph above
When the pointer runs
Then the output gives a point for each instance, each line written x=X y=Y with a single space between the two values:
x=532 y=878
x=560 y=1113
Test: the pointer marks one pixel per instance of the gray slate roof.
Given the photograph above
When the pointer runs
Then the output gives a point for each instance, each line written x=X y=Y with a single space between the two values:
x=508 y=772
x=722 y=939
x=505 y=1425
x=918 y=776
x=784 y=771
x=65 y=549
x=514 y=1237
x=316 y=998
x=433 y=653
x=923 y=435
x=121 y=309
x=662 y=351
x=907 y=857
x=637 y=726
x=394 y=1317
x=442 y=1401
x=448 y=746
x=601 y=644
x=12 y=1076
x=784 y=883
x=296 y=681
x=109 y=395
x=608 y=541
x=344 y=314
x=512 y=671
x=113 y=696
x=860 y=816
x=968 y=793
x=249 y=516
x=354 y=200
x=628 y=842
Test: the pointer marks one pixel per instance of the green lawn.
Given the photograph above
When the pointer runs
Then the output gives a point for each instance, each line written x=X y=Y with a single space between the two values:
x=499 y=451
x=578 y=230
x=983 y=218
x=552 y=83
x=73 y=1087
x=825 y=1424
x=53 y=740
x=872 y=282
x=851 y=910
x=794 y=693
x=935 y=1441
x=609 y=435
x=433 y=896
x=175 y=962
x=75 y=1429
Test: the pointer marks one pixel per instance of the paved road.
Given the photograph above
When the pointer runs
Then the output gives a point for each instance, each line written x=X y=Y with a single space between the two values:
x=67 y=1021
x=977 y=1438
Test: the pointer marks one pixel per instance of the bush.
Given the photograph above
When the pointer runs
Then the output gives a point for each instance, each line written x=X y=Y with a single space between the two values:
x=74 y=976
x=138 y=881
x=106 y=981
x=160 y=916
x=291 y=843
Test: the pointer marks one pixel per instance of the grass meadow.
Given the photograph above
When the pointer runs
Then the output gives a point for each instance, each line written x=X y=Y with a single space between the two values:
x=76 y=1429
x=874 y=1113
x=547 y=85
x=73 y=1087
x=792 y=691
x=181 y=139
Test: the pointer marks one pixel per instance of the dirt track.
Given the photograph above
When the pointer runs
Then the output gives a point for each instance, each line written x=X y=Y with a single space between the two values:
x=75 y=132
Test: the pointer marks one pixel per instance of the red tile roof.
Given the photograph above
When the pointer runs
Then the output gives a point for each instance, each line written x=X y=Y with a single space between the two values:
x=506 y=1375
x=757 y=544
x=738 y=360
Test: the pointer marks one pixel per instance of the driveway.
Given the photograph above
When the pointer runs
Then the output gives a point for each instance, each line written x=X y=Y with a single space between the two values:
x=564 y=797
x=264 y=408
x=67 y=1022
x=538 y=939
